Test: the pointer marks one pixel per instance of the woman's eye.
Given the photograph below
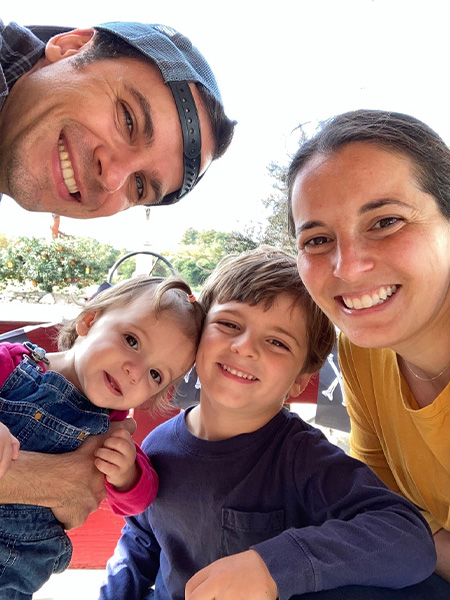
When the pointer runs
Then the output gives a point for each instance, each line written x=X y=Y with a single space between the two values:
x=131 y=341
x=155 y=375
x=318 y=241
x=128 y=119
x=386 y=222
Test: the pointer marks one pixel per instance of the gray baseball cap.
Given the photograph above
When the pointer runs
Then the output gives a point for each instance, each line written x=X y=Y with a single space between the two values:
x=179 y=62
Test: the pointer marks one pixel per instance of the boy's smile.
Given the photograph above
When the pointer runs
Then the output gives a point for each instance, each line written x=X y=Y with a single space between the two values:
x=249 y=359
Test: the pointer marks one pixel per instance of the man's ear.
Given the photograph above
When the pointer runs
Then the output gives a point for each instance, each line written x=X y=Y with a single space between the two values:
x=301 y=381
x=85 y=323
x=67 y=44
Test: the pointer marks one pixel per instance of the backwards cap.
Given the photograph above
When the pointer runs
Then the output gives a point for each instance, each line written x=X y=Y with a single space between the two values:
x=179 y=62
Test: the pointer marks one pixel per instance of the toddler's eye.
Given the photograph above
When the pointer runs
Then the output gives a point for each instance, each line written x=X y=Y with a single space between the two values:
x=155 y=375
x=131 y=341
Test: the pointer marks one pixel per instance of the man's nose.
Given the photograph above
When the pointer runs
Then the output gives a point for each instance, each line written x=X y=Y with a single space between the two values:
x=113 y=168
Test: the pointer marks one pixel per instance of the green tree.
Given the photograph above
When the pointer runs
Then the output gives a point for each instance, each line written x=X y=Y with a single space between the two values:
x=57 y=264
x=276 y=231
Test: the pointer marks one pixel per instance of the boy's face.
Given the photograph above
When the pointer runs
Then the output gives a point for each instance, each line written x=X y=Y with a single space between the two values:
x=125 y=355
x=249 y=358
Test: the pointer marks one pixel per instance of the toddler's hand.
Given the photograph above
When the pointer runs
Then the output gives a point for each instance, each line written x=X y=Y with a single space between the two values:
x=9 y=449
x=116 y=459
x=242 y=576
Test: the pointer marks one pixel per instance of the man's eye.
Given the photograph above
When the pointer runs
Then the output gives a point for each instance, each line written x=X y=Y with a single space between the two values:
x=140 y=187
x=128 y=119
x=131 y=341
x=155 y=375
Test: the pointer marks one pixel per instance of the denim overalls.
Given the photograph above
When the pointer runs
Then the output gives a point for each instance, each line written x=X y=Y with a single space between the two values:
x=46 y=413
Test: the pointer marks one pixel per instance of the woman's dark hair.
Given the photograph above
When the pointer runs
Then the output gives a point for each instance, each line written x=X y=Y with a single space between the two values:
x=397 y=133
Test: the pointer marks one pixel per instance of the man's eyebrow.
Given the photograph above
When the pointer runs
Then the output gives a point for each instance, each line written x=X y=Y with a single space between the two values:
x=146 y=113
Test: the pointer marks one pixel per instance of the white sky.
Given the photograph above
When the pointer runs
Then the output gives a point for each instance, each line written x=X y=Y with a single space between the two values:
x=278 y=64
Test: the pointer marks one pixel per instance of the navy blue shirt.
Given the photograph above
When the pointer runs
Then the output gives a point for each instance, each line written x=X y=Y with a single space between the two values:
x=318 y=518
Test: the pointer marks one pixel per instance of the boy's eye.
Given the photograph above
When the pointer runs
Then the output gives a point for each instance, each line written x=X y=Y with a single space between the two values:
x=155 y=375
x=278 y=344
x=131 y=341
x=227 y=324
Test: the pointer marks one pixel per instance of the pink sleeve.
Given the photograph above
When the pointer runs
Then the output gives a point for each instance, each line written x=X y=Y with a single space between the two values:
x=10 y=356
x=136 y=500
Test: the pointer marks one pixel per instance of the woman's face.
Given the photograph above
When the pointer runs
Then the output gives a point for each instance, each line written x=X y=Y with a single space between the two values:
x=373 y=249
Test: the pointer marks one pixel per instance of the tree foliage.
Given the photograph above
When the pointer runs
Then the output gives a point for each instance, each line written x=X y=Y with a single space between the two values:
x=57 y=264
x=276 y=232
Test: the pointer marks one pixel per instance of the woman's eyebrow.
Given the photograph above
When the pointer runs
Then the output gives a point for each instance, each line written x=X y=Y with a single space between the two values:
x=380 y=203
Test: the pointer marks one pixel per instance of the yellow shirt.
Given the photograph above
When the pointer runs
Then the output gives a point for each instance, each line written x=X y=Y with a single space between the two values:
x=407 y=446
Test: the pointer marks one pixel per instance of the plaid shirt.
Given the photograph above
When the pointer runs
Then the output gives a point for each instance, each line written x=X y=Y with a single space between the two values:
x=19 y=51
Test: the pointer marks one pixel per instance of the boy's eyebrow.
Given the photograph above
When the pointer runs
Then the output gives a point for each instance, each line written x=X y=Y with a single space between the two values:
x=145 y=113
x=284 y=332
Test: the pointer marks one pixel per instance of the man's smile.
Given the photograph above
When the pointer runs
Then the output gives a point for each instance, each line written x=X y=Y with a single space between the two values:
x=67 y=169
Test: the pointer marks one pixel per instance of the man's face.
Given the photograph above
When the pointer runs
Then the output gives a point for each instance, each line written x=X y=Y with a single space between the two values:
x=92 y=141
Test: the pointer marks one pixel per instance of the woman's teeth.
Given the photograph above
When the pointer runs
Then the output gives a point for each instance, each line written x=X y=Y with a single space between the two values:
x=369 y=300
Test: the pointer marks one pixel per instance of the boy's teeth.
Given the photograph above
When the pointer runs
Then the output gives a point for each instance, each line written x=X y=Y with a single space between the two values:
x=238 y=373
x=66 y=168
x=369 y=300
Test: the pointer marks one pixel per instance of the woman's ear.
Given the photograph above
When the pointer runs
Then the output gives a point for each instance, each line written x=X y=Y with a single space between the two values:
x=85 y=323
x=67 y=44
x=301 y=381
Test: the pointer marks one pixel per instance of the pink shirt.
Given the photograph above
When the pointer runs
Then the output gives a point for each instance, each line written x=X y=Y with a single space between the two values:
x=125 y=504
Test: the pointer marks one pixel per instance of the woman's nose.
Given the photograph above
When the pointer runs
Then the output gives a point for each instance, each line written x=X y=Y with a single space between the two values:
x=352 y=259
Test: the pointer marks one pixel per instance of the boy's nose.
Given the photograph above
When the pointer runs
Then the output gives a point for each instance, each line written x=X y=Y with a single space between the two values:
x=245 y=345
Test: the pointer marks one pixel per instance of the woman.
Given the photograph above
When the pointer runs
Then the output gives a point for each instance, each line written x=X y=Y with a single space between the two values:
x=369 y=197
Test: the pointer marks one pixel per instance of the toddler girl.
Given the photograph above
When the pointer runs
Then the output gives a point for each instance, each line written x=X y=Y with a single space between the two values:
x=127 y=348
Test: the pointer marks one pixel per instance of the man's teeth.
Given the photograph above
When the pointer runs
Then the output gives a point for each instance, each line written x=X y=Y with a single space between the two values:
x=66 y=168
x=238 y=373
x=368 y=300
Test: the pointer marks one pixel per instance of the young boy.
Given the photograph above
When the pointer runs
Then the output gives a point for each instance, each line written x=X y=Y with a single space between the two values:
x=253 y=502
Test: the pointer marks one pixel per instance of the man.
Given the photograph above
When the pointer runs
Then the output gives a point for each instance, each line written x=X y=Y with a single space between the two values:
x=94 y=121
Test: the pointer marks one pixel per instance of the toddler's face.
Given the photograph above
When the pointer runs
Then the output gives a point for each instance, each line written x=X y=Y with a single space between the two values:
x=126 y=355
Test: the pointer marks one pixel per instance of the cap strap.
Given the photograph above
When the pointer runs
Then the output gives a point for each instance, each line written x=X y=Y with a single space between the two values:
x=192 y=141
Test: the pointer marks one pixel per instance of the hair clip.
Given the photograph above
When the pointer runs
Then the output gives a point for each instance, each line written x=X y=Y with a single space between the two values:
x=191 y=298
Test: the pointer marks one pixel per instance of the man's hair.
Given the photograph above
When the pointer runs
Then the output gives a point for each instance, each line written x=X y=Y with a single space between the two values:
x=395 y=132
x=107 y=45
x=259 y=277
